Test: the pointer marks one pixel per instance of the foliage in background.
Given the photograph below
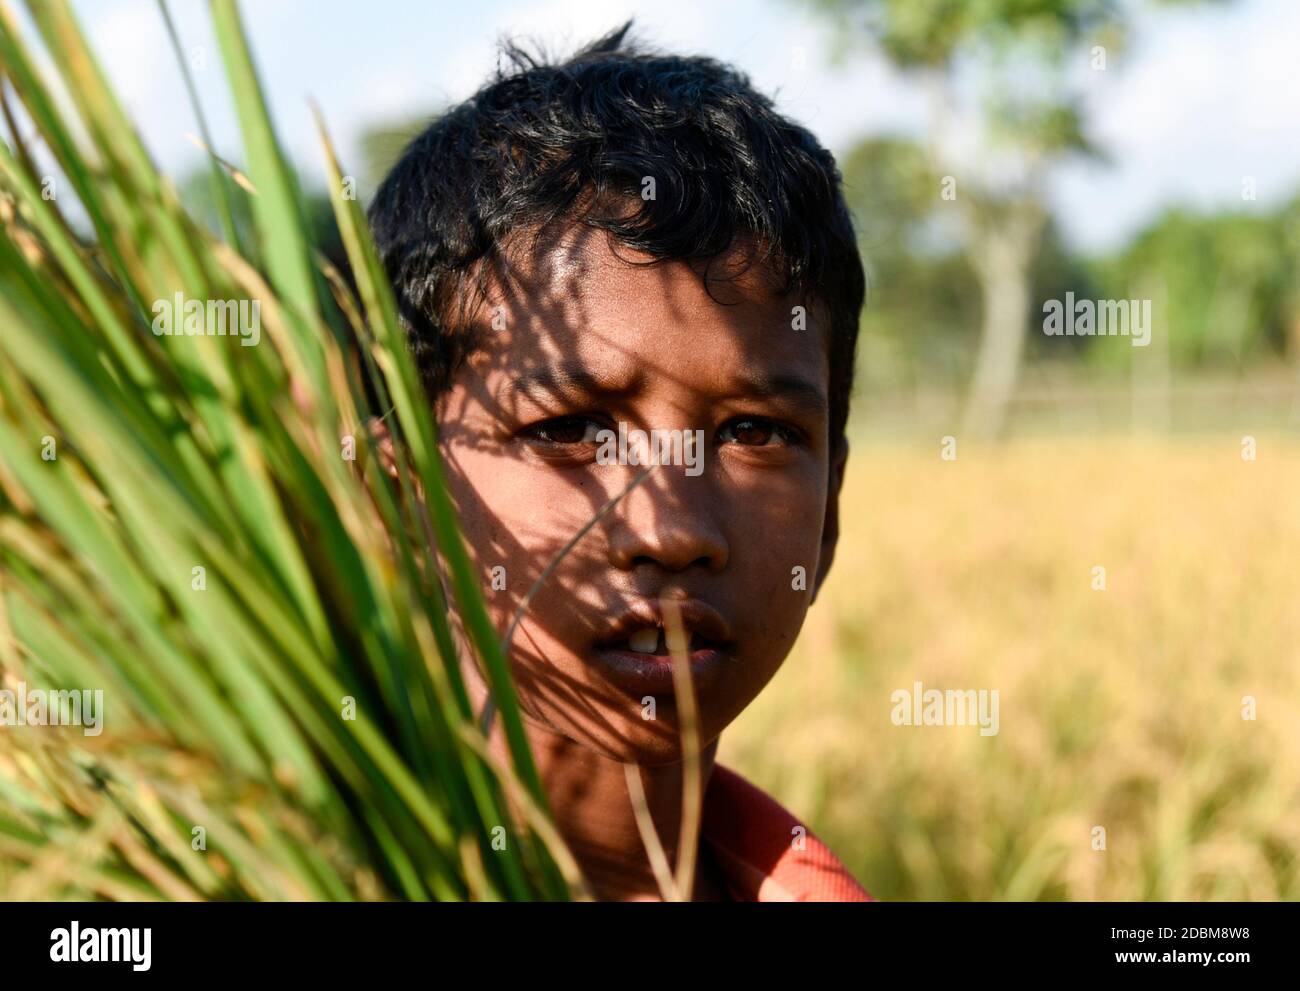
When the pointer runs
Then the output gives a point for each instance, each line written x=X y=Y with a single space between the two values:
x=1005 y=109
x=1226 y=285
x=226 y=690
x=919 y=326
x=1228 y=282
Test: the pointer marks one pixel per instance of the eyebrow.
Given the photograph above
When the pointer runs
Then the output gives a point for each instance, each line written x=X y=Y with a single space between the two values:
x=793 y=389
x=572 y=376
x=567 y=377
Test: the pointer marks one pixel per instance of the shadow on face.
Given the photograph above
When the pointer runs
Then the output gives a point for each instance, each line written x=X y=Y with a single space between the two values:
x=580 y=343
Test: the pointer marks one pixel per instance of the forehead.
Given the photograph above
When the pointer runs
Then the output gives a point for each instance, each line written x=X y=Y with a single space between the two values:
x=576 y=301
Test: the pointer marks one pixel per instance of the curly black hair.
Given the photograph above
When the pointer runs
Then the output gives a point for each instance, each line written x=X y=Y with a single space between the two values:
x=572 y=141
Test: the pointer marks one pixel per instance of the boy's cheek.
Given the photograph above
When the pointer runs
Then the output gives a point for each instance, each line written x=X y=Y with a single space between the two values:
x=515 y=518
x=783 y=518
x=776 y=563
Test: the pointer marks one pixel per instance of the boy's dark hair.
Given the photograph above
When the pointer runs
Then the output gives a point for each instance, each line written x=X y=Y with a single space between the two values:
x=572 y=141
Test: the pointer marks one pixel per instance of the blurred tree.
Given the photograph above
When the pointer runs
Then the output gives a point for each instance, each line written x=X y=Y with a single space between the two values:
x=918 y=325
x=1004 y=109
x=1231 y=283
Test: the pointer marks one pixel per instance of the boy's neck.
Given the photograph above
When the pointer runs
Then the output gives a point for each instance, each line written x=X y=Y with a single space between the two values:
x=589 y=797
x=589 y=800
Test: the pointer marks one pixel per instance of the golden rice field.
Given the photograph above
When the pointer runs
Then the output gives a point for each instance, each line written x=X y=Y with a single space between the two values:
x=1120 y=708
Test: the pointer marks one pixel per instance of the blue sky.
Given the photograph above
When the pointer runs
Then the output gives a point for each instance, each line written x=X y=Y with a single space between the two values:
x=1202 y=98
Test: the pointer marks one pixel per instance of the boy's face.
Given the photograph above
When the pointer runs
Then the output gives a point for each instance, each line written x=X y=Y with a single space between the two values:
x=582 y=340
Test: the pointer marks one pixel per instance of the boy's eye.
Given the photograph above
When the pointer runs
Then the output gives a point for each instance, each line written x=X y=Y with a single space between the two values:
x=756 y=432
x=565 y=430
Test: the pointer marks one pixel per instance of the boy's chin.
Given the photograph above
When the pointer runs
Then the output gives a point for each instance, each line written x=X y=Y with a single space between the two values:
x=648 y=743
x=660 y=752
x=657 y=753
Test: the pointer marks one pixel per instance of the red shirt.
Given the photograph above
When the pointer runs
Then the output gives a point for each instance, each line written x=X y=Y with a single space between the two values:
x=759 y=846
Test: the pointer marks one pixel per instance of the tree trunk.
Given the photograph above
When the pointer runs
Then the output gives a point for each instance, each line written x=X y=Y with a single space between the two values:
x=1003 y=230
x=1002 y=258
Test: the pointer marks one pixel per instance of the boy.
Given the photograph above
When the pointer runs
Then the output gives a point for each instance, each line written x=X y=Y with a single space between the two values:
x=633 y=242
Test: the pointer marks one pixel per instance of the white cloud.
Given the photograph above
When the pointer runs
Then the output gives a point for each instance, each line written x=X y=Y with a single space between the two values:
x=1207 y=97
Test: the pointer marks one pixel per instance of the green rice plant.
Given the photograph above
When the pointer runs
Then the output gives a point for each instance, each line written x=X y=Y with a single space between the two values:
x=192 y=523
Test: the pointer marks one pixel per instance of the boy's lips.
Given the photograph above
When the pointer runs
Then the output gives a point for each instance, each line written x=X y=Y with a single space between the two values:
x=698 y=619
x=642 y=672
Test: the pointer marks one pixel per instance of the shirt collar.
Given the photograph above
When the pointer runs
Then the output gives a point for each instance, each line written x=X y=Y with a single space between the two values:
x=766 y=854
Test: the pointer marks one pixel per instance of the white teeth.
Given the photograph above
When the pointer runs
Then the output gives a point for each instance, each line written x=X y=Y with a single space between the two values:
x=645 y=641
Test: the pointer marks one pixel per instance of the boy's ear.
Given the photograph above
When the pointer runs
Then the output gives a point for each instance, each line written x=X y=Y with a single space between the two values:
x=831 y=525
x=382 y=442
x=385 y=452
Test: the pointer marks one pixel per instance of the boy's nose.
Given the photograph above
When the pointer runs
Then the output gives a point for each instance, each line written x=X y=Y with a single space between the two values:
x=671 y=533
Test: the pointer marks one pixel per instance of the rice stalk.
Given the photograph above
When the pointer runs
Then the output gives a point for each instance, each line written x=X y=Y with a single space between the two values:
x=194 y=526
